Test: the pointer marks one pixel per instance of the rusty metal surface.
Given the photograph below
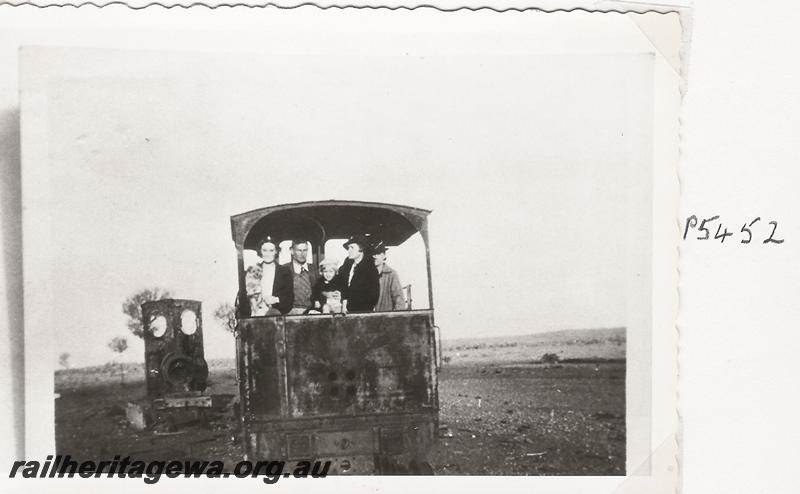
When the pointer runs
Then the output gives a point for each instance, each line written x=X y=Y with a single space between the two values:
x=338 y=386
x=341 y=422
x=340 y=443
x=300 y=366
x=182 y=402
x=403 y=442
x=378 y=363
x=258 y=367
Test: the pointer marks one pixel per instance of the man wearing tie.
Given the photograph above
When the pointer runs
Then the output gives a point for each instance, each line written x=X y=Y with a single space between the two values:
x=303 y=278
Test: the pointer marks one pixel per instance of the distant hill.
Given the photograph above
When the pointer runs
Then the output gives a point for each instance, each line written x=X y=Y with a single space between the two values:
x=592 y=344
x=563 y=335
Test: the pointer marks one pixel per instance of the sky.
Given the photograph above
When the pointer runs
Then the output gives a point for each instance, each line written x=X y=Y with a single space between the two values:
x=531 y=164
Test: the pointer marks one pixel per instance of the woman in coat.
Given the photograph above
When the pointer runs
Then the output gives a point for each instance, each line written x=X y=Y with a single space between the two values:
x=358 y=277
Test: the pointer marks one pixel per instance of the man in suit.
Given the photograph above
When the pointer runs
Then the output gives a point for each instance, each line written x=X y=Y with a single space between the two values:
x=359 y=277
x=303 y=278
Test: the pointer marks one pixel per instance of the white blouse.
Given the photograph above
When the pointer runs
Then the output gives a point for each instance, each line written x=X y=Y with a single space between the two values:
x=267 y=279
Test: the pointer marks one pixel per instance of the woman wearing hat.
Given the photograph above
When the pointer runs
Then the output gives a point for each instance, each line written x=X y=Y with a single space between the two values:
x=391 y=291
x=358 y=277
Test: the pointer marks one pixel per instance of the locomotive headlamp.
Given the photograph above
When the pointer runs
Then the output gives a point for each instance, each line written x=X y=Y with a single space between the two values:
x=158 y=326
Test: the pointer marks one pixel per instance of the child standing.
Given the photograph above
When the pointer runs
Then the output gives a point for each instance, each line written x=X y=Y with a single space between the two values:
x=327 y=294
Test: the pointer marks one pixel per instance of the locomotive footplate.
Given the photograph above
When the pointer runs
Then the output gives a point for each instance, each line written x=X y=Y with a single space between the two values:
x=169 y=413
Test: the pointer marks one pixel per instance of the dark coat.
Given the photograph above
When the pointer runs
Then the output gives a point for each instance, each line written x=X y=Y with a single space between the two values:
x=323 y=286
x=363 y=291
x=282 y=287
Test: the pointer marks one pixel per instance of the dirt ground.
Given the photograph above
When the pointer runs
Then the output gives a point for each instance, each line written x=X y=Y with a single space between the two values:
x=518 y=419
x=498 y=418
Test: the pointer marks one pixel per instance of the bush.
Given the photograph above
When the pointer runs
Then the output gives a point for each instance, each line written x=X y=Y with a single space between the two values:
x=550 y=358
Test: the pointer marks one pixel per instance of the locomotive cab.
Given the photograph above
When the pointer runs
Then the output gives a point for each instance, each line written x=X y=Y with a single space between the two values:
x=358 y=389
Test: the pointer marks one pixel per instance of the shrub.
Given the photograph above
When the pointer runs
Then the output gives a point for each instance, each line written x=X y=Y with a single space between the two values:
x=550 y=358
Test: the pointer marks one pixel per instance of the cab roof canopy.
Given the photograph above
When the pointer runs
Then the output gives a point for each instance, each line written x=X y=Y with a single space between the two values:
x=319 y=221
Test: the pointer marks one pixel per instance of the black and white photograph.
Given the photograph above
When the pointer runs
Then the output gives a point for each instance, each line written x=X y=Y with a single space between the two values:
x=354 y=243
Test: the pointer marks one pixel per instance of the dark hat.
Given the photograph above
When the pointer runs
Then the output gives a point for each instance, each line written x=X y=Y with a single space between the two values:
x=379 y=248
x=267 y=239
x=362 y=240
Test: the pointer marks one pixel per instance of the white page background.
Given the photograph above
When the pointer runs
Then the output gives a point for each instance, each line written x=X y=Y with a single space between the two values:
x=740 y=316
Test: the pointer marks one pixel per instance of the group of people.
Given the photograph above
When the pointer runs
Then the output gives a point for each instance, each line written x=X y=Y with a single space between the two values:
x=363 y=283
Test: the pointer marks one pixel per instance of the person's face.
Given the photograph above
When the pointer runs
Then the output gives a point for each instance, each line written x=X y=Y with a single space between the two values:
x=300 y=252
x=268 y=252
x=380 y=258
x=354 y=251
x=328 y=273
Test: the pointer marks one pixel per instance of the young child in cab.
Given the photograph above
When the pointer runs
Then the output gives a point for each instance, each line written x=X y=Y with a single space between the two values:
x=327 y=294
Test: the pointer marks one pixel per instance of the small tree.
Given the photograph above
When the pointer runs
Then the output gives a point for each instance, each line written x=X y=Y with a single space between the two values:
x=226 y=316
x=63 y=360
x=132 y=307
x=119 y=345
x=550 y=358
